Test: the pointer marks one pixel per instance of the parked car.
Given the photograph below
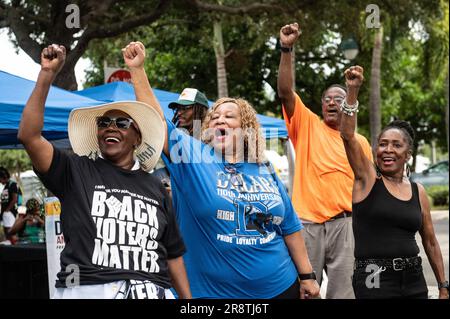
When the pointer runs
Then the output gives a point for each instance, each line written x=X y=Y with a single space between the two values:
x=436 y=174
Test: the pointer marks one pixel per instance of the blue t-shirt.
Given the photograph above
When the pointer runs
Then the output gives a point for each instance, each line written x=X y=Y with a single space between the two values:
x=232 y=218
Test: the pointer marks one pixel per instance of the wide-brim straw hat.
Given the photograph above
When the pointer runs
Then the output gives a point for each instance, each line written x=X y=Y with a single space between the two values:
x=83 y=130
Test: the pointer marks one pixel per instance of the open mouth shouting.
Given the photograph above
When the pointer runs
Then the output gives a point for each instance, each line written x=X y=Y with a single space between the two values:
x=388 y=160
x=332 y=112
x=111 y=140
x=220 y=134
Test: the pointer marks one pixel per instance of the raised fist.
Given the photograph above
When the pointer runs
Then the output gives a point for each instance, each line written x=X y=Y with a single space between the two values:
x=134 y=55
x=289 y=34
x=52 y=58
x=354 y=76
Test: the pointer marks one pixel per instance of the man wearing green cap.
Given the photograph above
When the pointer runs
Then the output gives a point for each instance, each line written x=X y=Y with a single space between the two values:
x=189 y=112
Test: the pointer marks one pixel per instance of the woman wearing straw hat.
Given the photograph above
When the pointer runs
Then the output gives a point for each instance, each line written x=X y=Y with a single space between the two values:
x=121 y=238
x=242 y=235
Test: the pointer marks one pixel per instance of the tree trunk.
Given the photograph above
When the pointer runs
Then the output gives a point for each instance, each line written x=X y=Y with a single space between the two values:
x=375 y=96
x=66 y=78
x=222 y=85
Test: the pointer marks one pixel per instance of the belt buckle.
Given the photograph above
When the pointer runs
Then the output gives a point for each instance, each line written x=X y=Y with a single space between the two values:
x=394 y=264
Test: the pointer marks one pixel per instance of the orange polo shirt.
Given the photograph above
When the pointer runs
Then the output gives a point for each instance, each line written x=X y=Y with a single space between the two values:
x=323 y=180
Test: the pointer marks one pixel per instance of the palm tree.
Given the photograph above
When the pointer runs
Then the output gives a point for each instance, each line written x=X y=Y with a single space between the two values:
x=375 y=96
x=219 y=49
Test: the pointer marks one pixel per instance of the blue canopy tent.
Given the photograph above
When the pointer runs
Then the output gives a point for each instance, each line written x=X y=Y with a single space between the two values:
x=122 y=91
x=14 y=93
x=119 y=91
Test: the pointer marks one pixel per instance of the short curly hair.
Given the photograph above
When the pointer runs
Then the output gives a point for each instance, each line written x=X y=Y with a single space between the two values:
x=254 y=143
x=32 y=204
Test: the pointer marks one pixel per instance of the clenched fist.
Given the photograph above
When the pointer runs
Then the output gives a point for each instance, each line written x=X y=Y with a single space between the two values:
x=134 y=55
x=354 y=76
x=289 y=34
x=52 y=58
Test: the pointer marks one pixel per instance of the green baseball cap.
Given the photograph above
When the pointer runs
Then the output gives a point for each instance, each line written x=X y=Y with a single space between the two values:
x=190 y=96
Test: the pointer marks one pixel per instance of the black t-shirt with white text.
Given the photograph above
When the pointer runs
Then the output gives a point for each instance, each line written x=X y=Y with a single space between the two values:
x=117 y=224
x=6 y=196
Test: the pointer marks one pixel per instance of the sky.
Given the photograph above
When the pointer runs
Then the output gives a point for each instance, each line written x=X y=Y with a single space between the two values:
x=22 y=65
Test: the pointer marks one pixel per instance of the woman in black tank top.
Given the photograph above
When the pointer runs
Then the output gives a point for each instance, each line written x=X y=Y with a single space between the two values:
x=388 y=211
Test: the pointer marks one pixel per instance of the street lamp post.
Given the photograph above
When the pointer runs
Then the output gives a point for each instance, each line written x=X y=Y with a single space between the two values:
x=350 y=48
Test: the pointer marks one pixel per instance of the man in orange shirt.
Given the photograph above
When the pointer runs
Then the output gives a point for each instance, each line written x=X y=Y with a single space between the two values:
x=323 y=181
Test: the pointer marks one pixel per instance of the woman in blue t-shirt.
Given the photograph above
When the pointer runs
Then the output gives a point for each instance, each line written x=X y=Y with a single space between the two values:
x=242 y=235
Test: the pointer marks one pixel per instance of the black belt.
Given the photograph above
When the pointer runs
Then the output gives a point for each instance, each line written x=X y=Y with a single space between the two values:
x=396 y=264
x=342 y=215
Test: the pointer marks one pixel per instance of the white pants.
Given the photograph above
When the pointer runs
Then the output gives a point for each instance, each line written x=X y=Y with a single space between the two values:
x=112 y=290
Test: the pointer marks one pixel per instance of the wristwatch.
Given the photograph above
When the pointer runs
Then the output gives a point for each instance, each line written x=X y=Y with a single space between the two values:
x=443 y=285
x=311 y=275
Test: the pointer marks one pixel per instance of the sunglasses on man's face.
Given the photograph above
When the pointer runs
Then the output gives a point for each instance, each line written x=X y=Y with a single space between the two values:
x=123 y=123
x=182 y=108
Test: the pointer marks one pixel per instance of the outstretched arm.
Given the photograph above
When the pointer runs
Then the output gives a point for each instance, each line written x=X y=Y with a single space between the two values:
x=32 y=122
x=362 y=167
x=430 y=243
x=288 y=36
x=134 y=56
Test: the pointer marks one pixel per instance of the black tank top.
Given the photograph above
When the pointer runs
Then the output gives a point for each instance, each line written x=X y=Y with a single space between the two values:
x=385 y=226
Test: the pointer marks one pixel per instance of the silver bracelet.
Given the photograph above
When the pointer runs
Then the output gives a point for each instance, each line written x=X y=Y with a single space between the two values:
x=349 y=109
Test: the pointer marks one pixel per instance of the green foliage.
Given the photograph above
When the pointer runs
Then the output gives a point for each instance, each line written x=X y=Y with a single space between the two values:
x=184 y=57
x=181 y=54
x=438 y=195
x=409 y=96
x=15 y=161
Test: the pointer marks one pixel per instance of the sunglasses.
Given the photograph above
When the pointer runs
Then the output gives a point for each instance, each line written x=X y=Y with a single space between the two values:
x=123 y=123
x=182 y=108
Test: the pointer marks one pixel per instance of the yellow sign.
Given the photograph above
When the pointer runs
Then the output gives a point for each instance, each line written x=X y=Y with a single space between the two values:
x=52 y=207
